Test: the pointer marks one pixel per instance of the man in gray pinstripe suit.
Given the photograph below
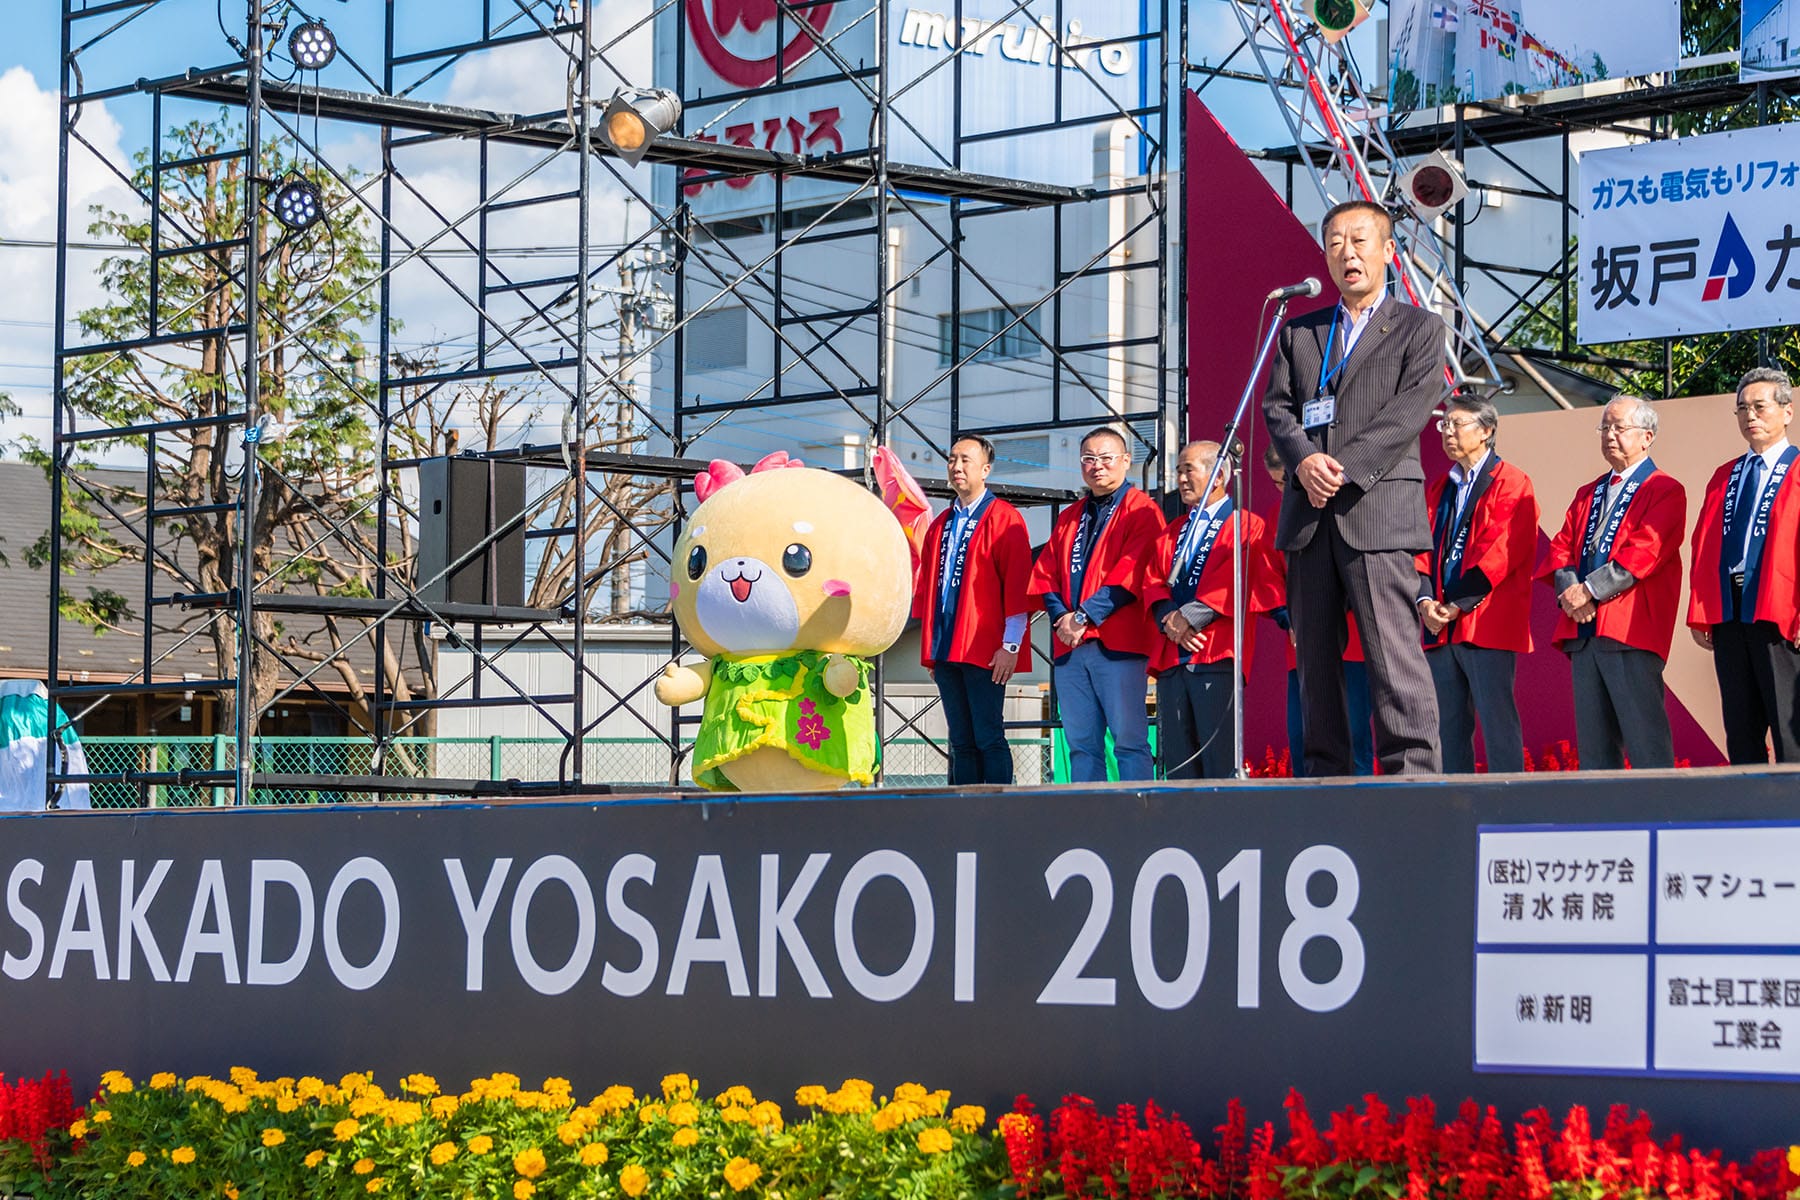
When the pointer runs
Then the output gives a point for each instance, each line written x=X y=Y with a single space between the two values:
x=1350 y=390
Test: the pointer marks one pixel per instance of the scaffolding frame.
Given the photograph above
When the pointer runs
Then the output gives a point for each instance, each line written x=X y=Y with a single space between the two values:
x=544 y=329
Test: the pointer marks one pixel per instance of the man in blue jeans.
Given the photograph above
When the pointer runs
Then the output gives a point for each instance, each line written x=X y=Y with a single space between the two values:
x=1088 y=579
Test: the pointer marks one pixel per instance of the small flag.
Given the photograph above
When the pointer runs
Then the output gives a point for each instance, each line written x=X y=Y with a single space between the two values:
x=1446 y=17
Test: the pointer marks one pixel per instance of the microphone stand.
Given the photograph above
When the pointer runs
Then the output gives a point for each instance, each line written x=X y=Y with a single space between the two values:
x=1239 y=601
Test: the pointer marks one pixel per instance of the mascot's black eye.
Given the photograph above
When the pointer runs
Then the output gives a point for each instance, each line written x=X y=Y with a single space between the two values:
x=796 y=559
x=696 y=562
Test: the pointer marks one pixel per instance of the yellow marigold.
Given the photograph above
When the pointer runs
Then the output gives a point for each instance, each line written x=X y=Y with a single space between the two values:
x=650 y=1112
x=235 y=1103
x=181 y=1156
x=618 y=1097
x=736 y=1094
x=136 y=1158
x=888 y=1118
x=737 y=1114
x=677 y=1087
x=401 y=1113
x=419 y=1085
x=116 y=1081
x=273 y=1137
x=363 y=1166
x=570 y=1132
x=968 y=1118
x=365 y=1106
x=100 y=1116
x=1794 y=1159
x=683 y=1113
x=855 y=1096
x=242 y=1076
x=634 y=1180
x=936 y=1103
x=230 y=1190
x=309 y=1087
x=442 y=1153
x=523 y=1188
x=593 y=1154
x=354 y=1081
x=910 y=1091
x=935 y=1140
x=346 y=1129
x=481 y=1143
x=287 y=1102
x=78 y=1129
x=444 y=1107
x=374 y=1185
x=740 y=1173
x=556 y=1085
x=315 y=1158
x=766 y=1115
x=810 y=1096
x=530 y=1163
x=685 y=1137
x=164 y=1079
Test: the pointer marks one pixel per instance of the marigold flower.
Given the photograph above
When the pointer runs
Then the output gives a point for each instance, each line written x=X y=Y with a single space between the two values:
x=737 y=1094
x=181 y=1156
x=740 y=1173
x=481 y=1143
x=810 y=1096
x=910 y=1091
x=685 y=1136
x=737 y=1114
x=937 y=1102
x=287 y=1102
x=618 y=1097
x=650 y=1112
x=442 y=1153
x=1794 y=1159
x=346 y=1129
x=523 y=1188
x=315 y=1158
x=888 y=1118
x=419 y=1085
x=353 y=1082
x=444 y=1107
x=164 y=1079
x=766 y=1115
x=273 y=1137
x=136 y=1158
x=634 y=1180
x=100 y=1116
x=309 y=1087
x=230 y=1190
x=968 y=1118
x=570 y=1132
x=556 y=1085
x=116 y=1081
x=374 y=1185
x=935 y=1140
x=242 y=1076
x=363 y=1166
x=593 y=1154
x=78 y=1129
x=683 y=1113
x=677 y=1087
x=530 y=1163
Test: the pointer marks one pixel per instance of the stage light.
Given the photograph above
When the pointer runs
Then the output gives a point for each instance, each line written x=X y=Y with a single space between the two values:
x=312 y=46
x=1336 y=18
x=1434 y=186
x=635 y=117
x=298 y=203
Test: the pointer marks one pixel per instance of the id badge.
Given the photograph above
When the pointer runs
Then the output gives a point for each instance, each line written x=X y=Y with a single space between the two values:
x=1319 y=411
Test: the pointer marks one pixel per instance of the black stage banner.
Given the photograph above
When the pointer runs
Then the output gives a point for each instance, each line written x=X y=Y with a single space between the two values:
x=1554 y=940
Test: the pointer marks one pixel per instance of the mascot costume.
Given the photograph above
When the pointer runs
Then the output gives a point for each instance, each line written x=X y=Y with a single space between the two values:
x=790 y=580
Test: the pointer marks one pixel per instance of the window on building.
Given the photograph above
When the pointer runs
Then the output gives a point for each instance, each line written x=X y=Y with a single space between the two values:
x=1021 y=341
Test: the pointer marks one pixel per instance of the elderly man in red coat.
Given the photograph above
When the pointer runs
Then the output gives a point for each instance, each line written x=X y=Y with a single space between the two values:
x=1087 y=577
x=1189 y=585
x=1742 y=593
x=1616 y=567
x=971 y=598
x=1475 y=589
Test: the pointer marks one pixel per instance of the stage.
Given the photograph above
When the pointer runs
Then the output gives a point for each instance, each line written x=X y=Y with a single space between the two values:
x=1518 y=939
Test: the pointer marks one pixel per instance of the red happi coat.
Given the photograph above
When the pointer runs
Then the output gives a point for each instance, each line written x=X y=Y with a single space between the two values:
x=1778 y=577
x=1119 y=556
x=1649 y=546
x=1502 y=545
x=1262 y=590
x=996 y=572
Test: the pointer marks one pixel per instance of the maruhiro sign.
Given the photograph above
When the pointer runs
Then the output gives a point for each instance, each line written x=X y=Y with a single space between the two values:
x=1690 y=235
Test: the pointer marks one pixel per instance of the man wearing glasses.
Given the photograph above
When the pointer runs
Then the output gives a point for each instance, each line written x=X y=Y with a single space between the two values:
x=1475 y=589
x=1616 y=567
x=1741 y=595
x=1088 y=579
x=1350 y=390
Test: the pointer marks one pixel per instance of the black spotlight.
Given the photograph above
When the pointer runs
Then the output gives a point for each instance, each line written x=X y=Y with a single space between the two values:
x=312 y=46
x=298 y=204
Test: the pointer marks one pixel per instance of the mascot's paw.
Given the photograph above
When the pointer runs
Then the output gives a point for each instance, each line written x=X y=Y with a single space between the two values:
x=680 y=685
x=841 y=676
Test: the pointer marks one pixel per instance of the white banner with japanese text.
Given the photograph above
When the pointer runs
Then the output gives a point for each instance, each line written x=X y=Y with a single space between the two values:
x=1690 y=235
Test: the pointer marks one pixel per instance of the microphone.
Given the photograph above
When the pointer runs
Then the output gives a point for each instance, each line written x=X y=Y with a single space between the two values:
x=1306 y=287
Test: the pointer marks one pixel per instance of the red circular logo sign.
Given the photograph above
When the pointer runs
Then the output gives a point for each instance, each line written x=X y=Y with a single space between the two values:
x=711 y=24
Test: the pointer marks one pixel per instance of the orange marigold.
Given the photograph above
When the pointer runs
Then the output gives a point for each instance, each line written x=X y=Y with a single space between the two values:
x=634 y=1180
x=740 y=1173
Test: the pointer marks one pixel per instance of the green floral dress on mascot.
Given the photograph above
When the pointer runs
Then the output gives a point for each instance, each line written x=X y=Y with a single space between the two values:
x=790 y=580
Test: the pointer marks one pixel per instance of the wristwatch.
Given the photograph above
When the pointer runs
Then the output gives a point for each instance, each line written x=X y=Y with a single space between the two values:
x=1080 y=616
x=1010 y=647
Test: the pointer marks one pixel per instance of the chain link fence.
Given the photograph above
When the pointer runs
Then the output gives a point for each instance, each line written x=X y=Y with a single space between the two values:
x=621 y=762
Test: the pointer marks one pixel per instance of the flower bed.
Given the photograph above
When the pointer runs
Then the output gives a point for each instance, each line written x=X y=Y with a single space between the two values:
x=243 y=1138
